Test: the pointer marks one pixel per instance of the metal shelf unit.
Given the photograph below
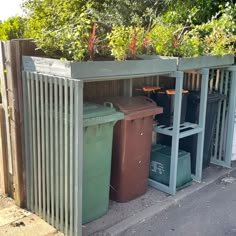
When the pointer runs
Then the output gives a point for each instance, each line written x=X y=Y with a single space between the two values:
x=178 y=131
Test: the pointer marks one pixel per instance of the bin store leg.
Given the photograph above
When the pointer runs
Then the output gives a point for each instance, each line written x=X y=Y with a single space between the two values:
x=175 y=137
x=202 y=118
x=231 y=117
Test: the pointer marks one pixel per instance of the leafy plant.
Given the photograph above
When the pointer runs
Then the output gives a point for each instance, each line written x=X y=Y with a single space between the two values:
x=126 y=41
x=12 y=28
x=163 y=38
x=59 y=27
x=221 y=32
x=193 y=12
x=119 y=42
x=191 y=45
x=66 y=28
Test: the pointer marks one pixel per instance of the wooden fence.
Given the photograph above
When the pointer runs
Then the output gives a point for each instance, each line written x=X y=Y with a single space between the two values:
x=3 y=153
x=13 y=169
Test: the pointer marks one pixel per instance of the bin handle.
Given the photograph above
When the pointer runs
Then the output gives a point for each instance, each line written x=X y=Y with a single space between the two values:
x=108 y=104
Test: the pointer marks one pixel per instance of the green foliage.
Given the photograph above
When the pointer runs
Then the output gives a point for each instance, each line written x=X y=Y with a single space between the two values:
x=126 y=12
x=193 y=12
x=216 y=37
x=119 y=42
x=12 y=28
x=163 y=37
x=191 y=45
x=126 y=42
x=221 y=32
x=60 y=27
x=81 y=30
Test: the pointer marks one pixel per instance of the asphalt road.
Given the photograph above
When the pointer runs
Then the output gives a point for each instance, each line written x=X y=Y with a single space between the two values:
x=210 y=212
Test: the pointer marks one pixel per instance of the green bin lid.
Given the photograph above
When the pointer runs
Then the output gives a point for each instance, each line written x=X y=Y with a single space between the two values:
x=95 y=114
x=92 y=110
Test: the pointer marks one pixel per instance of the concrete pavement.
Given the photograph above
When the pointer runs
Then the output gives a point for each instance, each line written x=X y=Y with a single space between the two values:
x=209 y=212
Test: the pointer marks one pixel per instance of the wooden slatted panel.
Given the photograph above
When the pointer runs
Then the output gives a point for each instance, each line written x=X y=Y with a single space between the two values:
x=98 y=90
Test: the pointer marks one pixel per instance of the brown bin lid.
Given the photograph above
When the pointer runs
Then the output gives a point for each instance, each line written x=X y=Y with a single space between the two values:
x=136 y=107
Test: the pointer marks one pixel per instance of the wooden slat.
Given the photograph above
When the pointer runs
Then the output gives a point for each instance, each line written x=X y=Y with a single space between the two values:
x=95 y=91
x=5 y=104
x=3 y=153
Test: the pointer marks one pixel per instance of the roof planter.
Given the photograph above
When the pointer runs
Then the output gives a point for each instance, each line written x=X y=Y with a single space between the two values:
x=95 y=70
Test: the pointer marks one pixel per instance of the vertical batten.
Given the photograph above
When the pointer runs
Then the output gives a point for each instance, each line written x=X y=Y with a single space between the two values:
x=78 y=147
x=218 y=119
x=26 y=140
x=223 y=115
x=194 y=81
x=230 y=116
x=43 y=169
x=61 y=156
x=211 y=81
x=198 y=82
x=217 y=79
x=71 y=209
x=30 y=144
x=38 y=159
x=34 y=133
x=55 y=118
x=52 y=147
x=46 y=80
x=66 y=160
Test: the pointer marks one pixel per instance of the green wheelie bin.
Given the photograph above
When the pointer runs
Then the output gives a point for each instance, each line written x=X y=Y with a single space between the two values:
x=98 y=132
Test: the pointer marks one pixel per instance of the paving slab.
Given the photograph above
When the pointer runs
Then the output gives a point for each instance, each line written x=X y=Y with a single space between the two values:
x=15 y=221
x=27 y=226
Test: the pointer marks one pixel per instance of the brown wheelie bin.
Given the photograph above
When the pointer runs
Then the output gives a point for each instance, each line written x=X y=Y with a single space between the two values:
x=131 y=147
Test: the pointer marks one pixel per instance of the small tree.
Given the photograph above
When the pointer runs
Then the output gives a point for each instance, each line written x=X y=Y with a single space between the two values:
x=12 y=28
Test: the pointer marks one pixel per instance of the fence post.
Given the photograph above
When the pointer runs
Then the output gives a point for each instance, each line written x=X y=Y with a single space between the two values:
x=10 y=71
